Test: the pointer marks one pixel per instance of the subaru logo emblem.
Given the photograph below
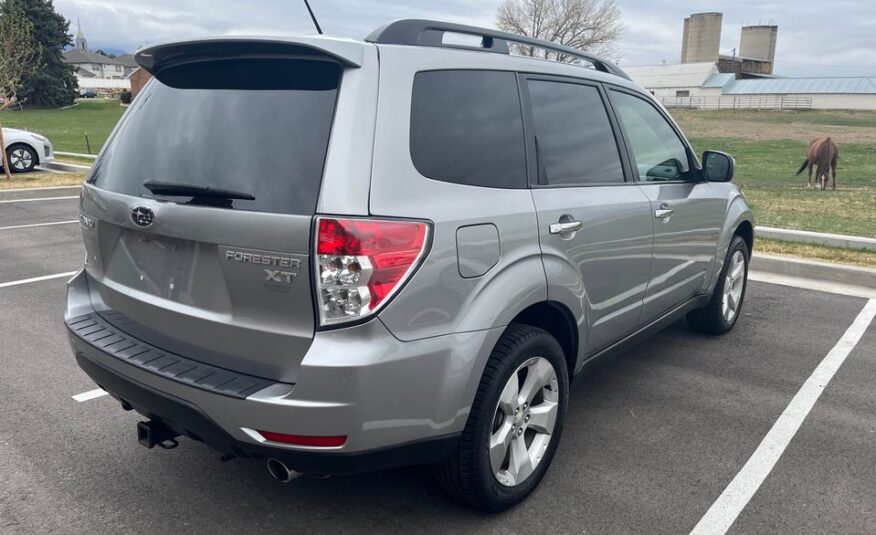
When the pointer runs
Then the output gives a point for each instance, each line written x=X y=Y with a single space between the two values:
x=142 y=216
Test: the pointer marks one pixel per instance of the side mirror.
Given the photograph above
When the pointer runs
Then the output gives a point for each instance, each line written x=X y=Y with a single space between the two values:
x=718 y=166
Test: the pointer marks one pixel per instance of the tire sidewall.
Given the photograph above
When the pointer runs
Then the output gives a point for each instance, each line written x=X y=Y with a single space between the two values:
x=540 y=345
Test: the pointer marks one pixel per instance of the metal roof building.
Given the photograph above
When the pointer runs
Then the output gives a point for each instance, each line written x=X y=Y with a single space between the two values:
x=679 y=75
x=700 y=85
x=795 y=86
x=667 y=80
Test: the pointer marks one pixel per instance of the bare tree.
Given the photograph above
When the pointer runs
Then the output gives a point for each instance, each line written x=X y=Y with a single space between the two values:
x=19 y=58
x=590 y=25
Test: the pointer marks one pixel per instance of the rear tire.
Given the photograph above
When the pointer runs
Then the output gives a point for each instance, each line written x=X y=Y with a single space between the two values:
x=511 y=436
x=725 y=306
x=22 y=159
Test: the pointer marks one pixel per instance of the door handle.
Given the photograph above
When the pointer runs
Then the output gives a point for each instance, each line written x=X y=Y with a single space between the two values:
x=663 y=213
x=563 y=228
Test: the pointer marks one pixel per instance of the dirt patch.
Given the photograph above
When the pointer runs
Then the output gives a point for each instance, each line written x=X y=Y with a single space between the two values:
x=41 y=180
x=761 y=131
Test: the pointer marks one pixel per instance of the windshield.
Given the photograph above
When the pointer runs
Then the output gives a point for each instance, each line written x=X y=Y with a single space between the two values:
x=259 y=126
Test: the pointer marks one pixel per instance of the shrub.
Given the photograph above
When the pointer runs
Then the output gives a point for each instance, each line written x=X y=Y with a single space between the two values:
x=126 y=97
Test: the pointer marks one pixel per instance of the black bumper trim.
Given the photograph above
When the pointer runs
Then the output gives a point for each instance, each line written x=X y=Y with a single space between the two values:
x=188 y=420
x=108 y=339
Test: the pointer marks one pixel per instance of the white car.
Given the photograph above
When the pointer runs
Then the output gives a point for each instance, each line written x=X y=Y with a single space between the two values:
x=26 y=150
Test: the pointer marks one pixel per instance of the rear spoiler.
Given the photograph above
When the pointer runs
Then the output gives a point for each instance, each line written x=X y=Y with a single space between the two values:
x=161 y=56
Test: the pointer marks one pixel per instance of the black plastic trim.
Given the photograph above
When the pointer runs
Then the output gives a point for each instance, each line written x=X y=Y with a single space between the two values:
x=419 y=32
x=652 y=328
x=103 y=336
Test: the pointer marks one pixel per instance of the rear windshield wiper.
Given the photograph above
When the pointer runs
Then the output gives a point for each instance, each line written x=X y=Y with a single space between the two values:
x=175 y=189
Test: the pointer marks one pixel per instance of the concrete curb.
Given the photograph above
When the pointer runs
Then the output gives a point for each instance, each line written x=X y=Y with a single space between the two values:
x=817 y=238
x=76 y=155
x=812 y=269
x=65 y=167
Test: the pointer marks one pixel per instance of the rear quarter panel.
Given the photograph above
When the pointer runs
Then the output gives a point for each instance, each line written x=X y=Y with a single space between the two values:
x=438 y=300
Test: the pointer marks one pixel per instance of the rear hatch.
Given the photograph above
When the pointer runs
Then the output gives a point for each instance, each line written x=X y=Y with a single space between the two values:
x=199 y=211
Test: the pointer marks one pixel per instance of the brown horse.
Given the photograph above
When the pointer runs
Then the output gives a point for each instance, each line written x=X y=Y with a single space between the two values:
x=823 y=155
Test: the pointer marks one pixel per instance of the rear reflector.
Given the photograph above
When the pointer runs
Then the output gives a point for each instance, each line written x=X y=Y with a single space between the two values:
x=301 y=440
x=362 y=262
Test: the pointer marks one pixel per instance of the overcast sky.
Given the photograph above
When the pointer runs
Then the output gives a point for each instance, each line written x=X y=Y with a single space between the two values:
x=816 y=38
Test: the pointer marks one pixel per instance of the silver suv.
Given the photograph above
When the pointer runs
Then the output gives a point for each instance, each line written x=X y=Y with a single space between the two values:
x=343 y=256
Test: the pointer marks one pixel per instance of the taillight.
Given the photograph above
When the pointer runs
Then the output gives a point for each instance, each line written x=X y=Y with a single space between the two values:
x=361 y=263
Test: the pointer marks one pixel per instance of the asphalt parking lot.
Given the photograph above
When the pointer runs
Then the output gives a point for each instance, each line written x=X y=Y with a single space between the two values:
x=652 y=440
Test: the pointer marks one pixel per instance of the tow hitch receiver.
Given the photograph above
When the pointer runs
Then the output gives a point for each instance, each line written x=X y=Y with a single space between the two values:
x=154 y=433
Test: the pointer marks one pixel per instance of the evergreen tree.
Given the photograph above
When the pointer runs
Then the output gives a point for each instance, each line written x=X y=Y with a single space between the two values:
x=55 y=84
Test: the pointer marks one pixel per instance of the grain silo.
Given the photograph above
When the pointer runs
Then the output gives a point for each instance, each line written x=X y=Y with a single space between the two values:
x=759 y=42
x=702 y=38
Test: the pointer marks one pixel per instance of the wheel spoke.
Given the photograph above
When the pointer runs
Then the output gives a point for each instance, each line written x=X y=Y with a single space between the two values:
x=543 y=417
x=738 y=268
x=538 y=375
x=499 y=443
x=520 y=465
x=737 y=294
x=731 y=301
x=508 y=399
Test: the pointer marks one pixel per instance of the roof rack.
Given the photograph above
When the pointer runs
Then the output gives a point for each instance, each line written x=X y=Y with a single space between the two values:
x=418 y=32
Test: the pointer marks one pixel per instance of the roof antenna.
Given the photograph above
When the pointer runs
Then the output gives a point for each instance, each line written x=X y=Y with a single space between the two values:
x=313 y=17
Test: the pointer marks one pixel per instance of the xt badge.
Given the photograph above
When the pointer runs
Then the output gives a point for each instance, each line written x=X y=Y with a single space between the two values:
x=282 y=277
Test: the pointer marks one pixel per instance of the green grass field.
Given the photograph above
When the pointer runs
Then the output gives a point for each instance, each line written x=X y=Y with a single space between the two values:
x=67 y=128
x=769 y=147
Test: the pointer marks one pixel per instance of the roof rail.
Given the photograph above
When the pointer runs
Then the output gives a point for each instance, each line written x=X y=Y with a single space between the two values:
x=418 y=32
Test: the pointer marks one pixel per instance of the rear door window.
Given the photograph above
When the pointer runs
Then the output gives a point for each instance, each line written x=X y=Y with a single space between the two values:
x=575 y=142
x=256 y=126
x=467 y=128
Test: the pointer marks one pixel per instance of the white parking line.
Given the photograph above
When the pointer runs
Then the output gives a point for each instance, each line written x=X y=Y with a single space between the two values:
x=8 y=201
x=39 y=189
x=812 y=284
x=13 y=227
x=37 y=279
x=738 y=493
x=91 y=394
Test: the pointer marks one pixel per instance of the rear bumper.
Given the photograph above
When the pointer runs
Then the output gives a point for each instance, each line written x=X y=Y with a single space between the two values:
x=190 y=421
x=398 y=403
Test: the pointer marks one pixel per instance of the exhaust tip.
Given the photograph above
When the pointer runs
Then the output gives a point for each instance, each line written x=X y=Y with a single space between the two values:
x=280 y=471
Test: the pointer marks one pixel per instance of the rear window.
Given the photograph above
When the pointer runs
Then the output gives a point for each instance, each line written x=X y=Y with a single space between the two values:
x=576 y=144
x=256 y=126
x=467 y=128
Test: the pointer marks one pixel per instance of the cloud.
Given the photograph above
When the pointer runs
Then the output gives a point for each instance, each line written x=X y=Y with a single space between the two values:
x=815 y=37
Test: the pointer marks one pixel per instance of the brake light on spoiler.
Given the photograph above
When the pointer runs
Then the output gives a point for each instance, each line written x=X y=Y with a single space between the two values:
x=361 y=263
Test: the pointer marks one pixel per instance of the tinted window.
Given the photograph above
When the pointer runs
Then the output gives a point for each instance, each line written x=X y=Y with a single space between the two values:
x=259 y=127
x=467 y=128
x=660 y=155
x=576 y=144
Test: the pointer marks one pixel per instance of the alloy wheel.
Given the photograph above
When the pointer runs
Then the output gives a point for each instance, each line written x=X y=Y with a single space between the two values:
x=524 y=421
x=734 y=283
x=21 y=159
